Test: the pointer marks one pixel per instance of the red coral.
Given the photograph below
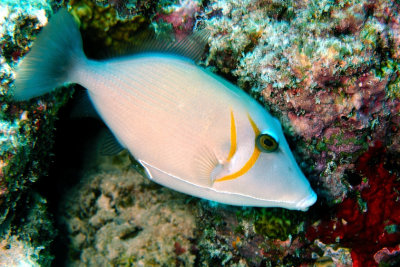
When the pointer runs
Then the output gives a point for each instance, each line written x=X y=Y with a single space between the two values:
x=366 y=230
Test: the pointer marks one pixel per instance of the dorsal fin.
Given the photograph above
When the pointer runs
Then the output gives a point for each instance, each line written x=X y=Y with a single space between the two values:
x=192 y=46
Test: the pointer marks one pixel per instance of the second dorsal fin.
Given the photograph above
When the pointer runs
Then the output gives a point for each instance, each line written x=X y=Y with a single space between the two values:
x=191 y=46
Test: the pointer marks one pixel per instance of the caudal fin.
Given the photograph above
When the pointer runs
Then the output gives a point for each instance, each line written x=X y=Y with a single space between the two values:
x=57 y=49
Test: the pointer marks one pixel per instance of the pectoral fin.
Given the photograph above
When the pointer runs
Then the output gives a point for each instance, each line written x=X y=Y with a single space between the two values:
x=207 y=166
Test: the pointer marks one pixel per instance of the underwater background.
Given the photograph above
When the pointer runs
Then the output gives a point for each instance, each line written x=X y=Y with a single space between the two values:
x=328 y=70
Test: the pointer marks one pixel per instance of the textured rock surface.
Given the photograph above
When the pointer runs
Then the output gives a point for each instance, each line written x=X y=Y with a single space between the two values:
x=117 y=217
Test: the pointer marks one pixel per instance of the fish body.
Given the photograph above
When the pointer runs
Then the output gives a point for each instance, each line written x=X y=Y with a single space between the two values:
x=191 y=130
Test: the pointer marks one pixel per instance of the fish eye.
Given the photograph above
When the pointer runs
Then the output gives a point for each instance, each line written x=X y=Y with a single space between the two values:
x=266 y=143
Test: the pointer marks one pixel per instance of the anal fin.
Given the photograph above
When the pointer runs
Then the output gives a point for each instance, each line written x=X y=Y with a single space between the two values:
x=83 y=107
x=109 y=145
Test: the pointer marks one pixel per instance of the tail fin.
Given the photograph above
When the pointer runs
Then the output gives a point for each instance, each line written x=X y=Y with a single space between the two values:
x=56 y=50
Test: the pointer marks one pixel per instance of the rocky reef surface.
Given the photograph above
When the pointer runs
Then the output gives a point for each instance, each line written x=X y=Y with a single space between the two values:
x=328 y=70
x=115 y=217
x=26 y=134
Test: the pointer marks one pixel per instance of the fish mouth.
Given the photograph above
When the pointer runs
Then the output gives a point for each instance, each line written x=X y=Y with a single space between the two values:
x=306 y=202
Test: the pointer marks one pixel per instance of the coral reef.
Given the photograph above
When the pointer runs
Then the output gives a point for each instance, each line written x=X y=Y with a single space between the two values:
x=26 y=129
x=329 y=70
x=27 y=240
x=117 y=26
x=250 y=237
x=17 y=253
x=332 y=255
x=367 y=222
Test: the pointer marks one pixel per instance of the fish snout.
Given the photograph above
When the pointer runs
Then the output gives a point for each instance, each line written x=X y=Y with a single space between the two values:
x=306 y=202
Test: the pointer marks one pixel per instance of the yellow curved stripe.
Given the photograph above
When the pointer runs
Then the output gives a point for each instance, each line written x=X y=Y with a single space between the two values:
x=233 y=138
x=250 y=162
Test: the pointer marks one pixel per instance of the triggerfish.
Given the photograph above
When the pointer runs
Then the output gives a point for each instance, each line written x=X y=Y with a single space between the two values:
x=191 y=130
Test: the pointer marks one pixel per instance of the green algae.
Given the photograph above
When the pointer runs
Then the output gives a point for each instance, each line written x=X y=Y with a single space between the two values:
x=393 y=88
x=277 y=223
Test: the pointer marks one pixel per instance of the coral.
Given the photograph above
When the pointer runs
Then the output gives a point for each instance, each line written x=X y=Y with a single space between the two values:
x=26 y=129
x=332 y=255
x=369 y=221
x=253 y=237
x=113 y=200
x=329 y=71
x=18 y=253
x=119 y=25
x=388 y=257
x=117 y=217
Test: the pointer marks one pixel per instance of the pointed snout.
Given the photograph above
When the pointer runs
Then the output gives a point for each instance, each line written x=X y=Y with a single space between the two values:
x=307 y=202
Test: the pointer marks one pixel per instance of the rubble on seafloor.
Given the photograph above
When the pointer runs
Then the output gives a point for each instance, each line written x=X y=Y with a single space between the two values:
x=329 y=70
x=115 y=216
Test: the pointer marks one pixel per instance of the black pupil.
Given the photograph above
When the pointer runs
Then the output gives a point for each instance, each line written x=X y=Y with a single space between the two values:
x=268 y=142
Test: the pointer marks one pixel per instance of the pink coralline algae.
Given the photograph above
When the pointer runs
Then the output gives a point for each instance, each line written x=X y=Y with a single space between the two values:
x=181 y=17
x=349 y=109
x=368 y=222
